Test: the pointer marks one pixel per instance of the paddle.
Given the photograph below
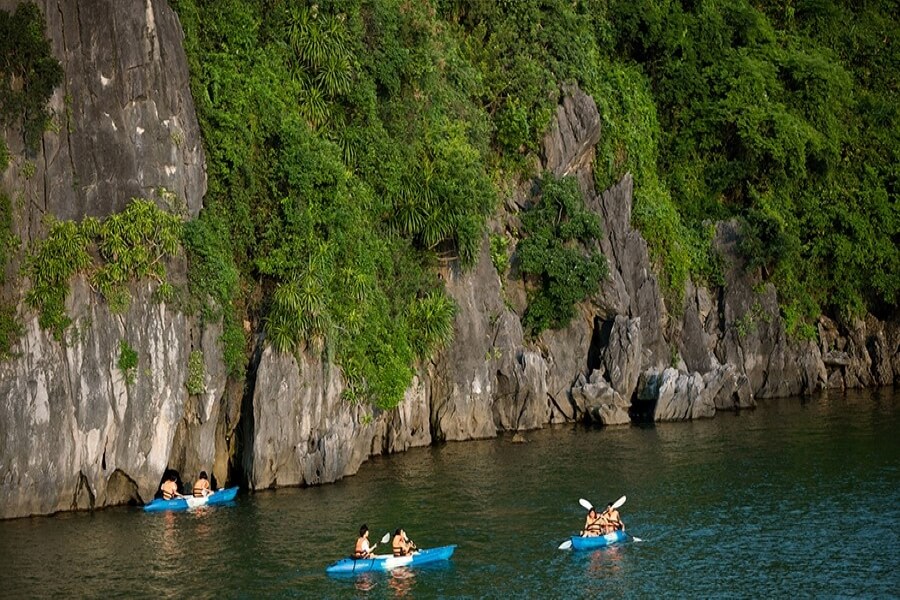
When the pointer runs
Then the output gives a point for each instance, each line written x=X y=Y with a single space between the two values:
x=384 y=540
x=587 y=505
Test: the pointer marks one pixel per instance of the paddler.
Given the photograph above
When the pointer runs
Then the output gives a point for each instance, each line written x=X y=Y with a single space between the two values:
x=201 y=486
x=362 y=549
x=594 y=524
x=401 y=544
x=613 y=520
x=169 y=488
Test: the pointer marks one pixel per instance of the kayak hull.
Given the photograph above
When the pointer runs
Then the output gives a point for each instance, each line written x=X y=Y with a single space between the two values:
x=599 y=541
x=177 y=504
x=386 y=562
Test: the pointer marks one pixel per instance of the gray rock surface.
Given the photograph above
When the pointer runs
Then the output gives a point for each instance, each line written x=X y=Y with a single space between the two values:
x=74 y=434
x=407 y=426
x=632 y=289
x=597 y=402
x=700 y=329
x=521 y=400
x=867 y=352
x=728 y=388
x=754 y=337
x=678 y=396
x=569 y=144
x=621 y=356
x=125 y=115
x=462 y=379
x=566 y=352
x=303 y=433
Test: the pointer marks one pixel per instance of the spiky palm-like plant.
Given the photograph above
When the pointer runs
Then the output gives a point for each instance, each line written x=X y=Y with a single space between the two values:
x=313 y=105
x=322 y=60
x=431 y=321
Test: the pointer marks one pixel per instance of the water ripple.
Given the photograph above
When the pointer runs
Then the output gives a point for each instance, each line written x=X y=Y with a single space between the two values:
x=793 y=499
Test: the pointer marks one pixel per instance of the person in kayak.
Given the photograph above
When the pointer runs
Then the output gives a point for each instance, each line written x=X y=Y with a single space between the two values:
x=169 y=488
x=613 y=520
x=201 y=486
x=362 y=549
x=401 y=544
x=594 y=524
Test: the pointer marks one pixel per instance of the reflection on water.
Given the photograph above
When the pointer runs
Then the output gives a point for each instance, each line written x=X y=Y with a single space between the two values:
x=605 y=562
x=756 y=492
x=364 y=582
x=401 y=582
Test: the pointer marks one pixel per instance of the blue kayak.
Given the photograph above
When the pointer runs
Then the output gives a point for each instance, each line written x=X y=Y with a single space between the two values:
x=386 y=562
x=220 y=497
x=598 y=541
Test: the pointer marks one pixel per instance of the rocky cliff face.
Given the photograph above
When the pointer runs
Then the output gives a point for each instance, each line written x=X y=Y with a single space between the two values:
x=74 y=433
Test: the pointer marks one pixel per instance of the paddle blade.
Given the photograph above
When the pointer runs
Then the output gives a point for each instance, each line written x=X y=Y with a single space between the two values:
x=619 y=502
x=565 y=545
x=636 y=539
x=386 y=538
x=587 y=505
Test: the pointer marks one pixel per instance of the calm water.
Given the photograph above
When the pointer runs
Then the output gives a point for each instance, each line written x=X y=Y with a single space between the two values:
x=795 y=498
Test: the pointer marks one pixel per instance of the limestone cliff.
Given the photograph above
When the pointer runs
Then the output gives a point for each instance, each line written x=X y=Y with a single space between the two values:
x=76 y=433
x=73 y=432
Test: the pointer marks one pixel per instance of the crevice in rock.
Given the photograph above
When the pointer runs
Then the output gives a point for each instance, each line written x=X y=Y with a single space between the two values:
x=871 y=345
x=722 y=326
x=552 y=399
x=599 y=342
x=82 y=489
x=642 y=410
x=242 y=465
x=522 y=409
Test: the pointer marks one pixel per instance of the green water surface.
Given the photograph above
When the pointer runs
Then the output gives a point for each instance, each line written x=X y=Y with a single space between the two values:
x=797 y=498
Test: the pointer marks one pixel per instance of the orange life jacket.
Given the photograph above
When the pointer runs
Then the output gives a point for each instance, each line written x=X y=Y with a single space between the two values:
x=199 y=486
x=169 y=489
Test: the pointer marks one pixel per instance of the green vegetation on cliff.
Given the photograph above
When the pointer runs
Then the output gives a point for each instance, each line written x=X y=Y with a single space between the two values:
x=110 y=252
x=345 y=159
x=558 y=255
x=352 y=145
x=10 y=329
x=787 y=118
x=28 y=74
x=784 y=117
